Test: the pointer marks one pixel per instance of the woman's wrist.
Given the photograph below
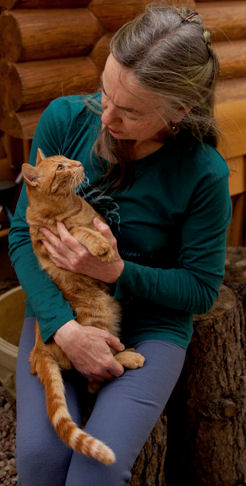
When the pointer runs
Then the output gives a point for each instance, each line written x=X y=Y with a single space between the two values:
x=120 y=268
x=64 y=333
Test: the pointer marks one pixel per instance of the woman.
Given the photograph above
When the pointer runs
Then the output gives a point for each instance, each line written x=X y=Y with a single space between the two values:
x=163 y=188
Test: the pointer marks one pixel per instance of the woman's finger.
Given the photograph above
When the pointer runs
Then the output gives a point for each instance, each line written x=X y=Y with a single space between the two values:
x=67 y=238
x=53 y=254
x=51 y=237
x=105 y=231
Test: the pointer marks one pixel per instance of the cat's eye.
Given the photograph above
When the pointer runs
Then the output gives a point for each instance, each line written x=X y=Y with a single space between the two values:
x=59 y=167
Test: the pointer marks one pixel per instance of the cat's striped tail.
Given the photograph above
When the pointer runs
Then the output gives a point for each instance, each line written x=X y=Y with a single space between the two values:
x=49 y=374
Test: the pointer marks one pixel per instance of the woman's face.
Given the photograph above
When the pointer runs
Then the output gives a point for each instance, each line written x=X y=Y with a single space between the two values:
x=130 y=112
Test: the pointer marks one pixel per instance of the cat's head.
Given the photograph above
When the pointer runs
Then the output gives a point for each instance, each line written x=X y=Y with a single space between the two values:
x=53 y=175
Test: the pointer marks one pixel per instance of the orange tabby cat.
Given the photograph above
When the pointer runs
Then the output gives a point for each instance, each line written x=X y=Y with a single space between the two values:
x=51 y=195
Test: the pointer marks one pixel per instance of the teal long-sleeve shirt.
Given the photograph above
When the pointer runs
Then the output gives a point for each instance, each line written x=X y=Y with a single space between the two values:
x=170 y=226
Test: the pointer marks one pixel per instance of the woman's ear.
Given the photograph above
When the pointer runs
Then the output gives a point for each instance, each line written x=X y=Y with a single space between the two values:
x=30 y=174
x=180 y=113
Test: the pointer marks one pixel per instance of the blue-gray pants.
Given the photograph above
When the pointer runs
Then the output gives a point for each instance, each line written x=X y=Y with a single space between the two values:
x=124 y=414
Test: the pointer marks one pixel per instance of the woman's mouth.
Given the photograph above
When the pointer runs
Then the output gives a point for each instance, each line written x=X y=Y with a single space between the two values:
x=113 y=131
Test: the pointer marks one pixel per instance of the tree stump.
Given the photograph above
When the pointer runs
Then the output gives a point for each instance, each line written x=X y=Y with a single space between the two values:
x=207 y=411
x=148 y=469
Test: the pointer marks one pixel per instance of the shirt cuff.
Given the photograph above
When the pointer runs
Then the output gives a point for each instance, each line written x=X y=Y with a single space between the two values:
x=126 y=283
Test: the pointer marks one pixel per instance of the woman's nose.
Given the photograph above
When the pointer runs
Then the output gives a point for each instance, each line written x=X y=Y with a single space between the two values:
x=109 y=114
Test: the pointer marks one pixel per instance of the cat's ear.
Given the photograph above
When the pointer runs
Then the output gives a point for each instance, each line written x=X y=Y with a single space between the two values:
x=40 y=156
x=30 y=174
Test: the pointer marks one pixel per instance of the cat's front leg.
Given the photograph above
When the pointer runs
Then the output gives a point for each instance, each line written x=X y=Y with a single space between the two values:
x=95 y=243
x=130 y=359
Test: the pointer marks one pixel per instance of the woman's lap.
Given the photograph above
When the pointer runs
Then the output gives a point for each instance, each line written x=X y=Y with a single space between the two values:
x=124 y=414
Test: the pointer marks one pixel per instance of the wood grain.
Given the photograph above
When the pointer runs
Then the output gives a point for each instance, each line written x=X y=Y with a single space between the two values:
x=29 y=85
x=226 y=20
x=27 y=35
x=43 y=3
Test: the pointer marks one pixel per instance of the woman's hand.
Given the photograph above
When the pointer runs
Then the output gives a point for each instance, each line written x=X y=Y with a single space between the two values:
x=66 y=252
x=88 y=348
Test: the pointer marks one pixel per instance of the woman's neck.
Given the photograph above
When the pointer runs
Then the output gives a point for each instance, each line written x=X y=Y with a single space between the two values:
x=143 y=149
x=132 y=149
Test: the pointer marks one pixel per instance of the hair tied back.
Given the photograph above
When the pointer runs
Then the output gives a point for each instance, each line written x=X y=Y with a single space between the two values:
x=190 y=16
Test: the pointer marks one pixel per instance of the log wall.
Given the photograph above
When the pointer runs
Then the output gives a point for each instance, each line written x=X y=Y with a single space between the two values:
x=51 y=48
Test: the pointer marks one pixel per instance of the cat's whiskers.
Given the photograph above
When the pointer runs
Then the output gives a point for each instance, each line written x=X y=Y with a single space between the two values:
x=76 y=181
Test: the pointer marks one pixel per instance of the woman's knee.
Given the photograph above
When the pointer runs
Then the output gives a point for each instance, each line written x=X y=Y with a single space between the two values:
x=86 y=471
x=38 y=463
x=30 y=459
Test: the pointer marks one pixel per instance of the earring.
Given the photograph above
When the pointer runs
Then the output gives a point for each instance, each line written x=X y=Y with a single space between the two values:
x=173 y=127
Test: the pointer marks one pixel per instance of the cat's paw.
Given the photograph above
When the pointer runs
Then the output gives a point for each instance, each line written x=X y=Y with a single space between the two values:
x=131 y=360
x=103 y=251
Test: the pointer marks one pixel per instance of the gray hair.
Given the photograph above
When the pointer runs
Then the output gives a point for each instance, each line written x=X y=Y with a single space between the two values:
x=169 y=52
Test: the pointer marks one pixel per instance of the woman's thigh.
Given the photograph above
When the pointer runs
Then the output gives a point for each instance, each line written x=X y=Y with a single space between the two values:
x=41 y=458
x=125 y=413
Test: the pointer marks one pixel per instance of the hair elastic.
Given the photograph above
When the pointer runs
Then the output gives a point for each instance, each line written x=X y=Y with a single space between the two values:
x=190 y=16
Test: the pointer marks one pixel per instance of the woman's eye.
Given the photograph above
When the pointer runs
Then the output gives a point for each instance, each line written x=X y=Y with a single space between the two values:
x=59 y=167
x=129 y=117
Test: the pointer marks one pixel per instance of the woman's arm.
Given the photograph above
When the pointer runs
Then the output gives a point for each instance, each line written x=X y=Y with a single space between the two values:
x=66 y=252
x=44 y=298
x=192 y=285
x=87 y=348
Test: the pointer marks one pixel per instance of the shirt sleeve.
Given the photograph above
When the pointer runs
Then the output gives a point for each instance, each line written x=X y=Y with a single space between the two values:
x=194 y=284
x=46 y=300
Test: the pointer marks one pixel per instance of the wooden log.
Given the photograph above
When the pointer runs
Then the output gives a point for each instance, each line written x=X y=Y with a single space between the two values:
x=207 y=412
x=30 y=85
x=237 y=179
x=21 y=124
x=232 y=57
x=71 y=3
x=148 y=469
x=236 y=230
x=100 y=52
x=224 y=20
x=43 y=3
x=231 y=120
x=27 y=34
x=230 y=89
x=14 y=151
x=179 y=3
x=114 y=13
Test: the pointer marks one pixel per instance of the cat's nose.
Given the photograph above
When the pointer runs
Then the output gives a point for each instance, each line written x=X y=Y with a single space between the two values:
x=77 y=163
